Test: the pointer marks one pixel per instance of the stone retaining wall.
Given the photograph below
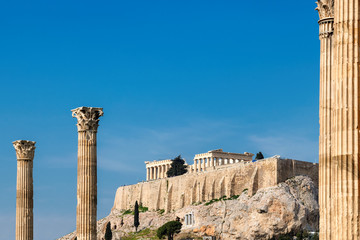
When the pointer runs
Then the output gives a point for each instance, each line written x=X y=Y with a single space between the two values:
x=177 y=192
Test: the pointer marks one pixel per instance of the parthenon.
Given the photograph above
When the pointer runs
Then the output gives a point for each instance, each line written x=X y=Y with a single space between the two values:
x=217 y=157
x=202 y=162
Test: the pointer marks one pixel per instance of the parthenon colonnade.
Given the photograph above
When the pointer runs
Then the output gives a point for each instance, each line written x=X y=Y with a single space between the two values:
x=157 y=169
x=218 y=157
x=25 y=151
x=339 y=119
x=87 y=125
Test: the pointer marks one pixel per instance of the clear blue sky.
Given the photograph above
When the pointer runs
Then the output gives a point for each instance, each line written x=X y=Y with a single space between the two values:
x=174 y=77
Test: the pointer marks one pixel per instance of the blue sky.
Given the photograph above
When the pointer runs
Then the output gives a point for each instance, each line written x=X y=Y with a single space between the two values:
x=173 y=77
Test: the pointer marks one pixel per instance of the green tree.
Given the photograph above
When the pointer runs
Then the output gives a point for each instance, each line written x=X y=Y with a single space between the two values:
x=108 y=233
x=136 y=216
x=169 y=229
x=259 y=156
x=177 y=168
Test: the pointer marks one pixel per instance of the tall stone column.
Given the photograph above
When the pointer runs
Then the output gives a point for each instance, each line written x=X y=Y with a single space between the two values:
x=195 y=165
x=339 y=178
x=147 y=174
x=88 y=122
x=24 y=189
x=326 y=32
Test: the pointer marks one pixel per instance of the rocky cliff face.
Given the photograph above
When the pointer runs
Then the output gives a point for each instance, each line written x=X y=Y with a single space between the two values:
x=288 y=207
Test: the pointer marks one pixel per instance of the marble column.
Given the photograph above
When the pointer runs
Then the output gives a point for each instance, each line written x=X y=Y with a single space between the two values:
x=326 y=31
x=339 y=178
x=24 y=189
x=147 y=174
x=195 y=165
x=87 y=124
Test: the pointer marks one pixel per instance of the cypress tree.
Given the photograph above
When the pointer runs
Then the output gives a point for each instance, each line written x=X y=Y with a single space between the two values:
x=136 y=216
x=259 y=156
x=177 y=168
x=108 y=233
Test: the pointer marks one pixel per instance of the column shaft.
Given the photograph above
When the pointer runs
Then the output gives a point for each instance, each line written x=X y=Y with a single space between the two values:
x=344 y=179
x=326 y=62
x=87 y=187
x=24 y=200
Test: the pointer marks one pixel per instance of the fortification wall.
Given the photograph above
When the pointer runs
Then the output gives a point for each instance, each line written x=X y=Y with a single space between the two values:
x=176 y=192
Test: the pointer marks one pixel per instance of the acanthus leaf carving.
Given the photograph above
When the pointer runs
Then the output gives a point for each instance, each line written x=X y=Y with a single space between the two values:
x=87 y=117
x=24 y=149
x=325 y=8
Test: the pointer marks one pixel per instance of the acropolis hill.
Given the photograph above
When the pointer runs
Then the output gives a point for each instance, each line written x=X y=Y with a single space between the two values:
x=214 y=174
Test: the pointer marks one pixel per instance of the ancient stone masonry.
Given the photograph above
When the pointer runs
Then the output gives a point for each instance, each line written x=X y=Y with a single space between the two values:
x=24 y=189
x=339 y=119
x=157 y=169
x=194 y=187
x=88 y=122
x=326 y=30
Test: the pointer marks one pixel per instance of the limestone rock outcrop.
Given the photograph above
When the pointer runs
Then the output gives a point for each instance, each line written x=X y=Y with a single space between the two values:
x=288 y=207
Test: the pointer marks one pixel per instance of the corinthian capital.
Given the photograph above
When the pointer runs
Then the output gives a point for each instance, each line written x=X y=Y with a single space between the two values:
x=88 y=118
x=24 y=149
x=325 y=8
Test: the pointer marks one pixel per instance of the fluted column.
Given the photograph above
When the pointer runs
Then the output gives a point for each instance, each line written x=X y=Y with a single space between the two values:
x=195 y=165
x=24 y=189
x=339 y=179
x=88 y=122
x=147 y=174
x=326 y=31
